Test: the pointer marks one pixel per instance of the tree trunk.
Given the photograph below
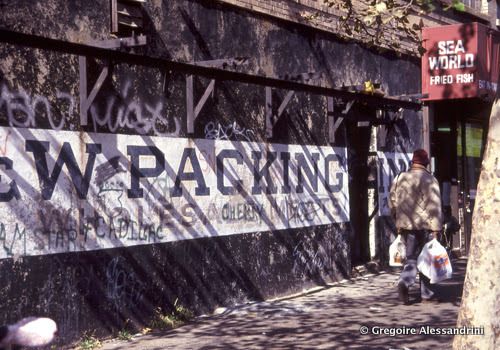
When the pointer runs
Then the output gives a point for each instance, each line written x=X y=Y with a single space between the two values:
x=481 y=297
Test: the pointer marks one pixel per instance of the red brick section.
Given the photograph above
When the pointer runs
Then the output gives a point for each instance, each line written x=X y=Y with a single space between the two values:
x=325 y=18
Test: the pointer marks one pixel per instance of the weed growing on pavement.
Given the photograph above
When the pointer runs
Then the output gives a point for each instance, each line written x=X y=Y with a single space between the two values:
x=162 y=321
x=174 y=319
x=124 y=335
x=181 y=312
x=89 y=342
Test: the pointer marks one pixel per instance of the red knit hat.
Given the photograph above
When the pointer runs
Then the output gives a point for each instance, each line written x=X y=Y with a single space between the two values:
x=420 y=156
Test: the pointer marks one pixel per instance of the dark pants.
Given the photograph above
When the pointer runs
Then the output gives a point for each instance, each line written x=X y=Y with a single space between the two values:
x=415 y=241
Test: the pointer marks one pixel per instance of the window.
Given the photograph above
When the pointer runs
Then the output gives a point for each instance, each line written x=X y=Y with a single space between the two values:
x=473 y=4
x=126 y=17
x=498 y=13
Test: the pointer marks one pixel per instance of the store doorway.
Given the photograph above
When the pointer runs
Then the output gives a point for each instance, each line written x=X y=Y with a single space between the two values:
x=457 y=145
x=470 y=148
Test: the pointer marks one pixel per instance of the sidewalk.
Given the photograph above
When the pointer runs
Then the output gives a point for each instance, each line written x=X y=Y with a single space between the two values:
x=329 y=318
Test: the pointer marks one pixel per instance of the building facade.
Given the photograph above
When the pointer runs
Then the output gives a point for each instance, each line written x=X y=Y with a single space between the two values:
x=203 y=153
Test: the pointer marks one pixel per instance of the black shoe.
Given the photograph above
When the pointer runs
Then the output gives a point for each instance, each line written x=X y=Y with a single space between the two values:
x=403 y=293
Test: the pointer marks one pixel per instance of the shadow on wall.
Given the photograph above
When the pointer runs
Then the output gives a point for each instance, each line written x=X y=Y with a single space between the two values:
x=111 y=289
x=103 y=289
x=330 y=318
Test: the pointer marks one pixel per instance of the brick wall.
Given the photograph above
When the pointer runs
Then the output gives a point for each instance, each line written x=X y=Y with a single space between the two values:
x=316 y=14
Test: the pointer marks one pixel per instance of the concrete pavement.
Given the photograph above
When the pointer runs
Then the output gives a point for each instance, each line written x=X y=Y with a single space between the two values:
x=325 y=318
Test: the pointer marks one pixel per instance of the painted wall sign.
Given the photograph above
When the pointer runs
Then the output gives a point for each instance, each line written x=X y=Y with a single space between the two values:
x=389 y=166
x=460 y=61
x=67 y=191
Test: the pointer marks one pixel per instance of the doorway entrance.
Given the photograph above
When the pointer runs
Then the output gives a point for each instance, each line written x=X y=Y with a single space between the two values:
x=457 y=145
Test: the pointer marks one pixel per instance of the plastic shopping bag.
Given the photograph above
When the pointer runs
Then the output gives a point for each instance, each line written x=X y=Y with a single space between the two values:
x=434 y=262
x=397 y=252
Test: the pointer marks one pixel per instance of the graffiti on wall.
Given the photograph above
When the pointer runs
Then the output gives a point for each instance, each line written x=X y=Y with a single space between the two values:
x=116 y=283
x=71 y=191
x=232 y=131
x=119 y=112
x=127 y=111
x=389 y=166
x=22 y=108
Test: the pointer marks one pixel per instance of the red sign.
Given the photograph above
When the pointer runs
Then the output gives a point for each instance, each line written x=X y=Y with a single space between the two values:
x=461 y=61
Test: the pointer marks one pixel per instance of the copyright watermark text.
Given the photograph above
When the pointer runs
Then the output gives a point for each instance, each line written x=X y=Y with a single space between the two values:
x=422 y=330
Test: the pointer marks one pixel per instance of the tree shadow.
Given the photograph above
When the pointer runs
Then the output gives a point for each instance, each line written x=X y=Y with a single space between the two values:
x=328 y=318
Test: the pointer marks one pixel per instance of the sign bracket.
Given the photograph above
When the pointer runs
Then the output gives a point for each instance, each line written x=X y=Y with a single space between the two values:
x=335 y=118
x=87 y=100
x=192 y=110
x=272 y=119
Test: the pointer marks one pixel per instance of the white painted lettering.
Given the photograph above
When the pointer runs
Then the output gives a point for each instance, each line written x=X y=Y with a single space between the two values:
x=450 y=47
x=465 y=78
x=453 y=61
x=441 y=79
x=433 y=63
x=443 y=62
x=442 y=47
x=91 y=191
x=459 y=48
x=451 y=55
x=469 y=60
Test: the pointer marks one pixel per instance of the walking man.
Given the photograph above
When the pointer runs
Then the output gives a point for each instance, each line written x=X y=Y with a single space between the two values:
x=415 y=202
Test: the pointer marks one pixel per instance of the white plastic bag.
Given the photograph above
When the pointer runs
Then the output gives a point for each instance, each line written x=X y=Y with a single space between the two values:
x=397 y=252
x=434 y=262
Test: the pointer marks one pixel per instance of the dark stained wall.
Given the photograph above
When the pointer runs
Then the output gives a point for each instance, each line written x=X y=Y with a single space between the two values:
x=100 y=290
